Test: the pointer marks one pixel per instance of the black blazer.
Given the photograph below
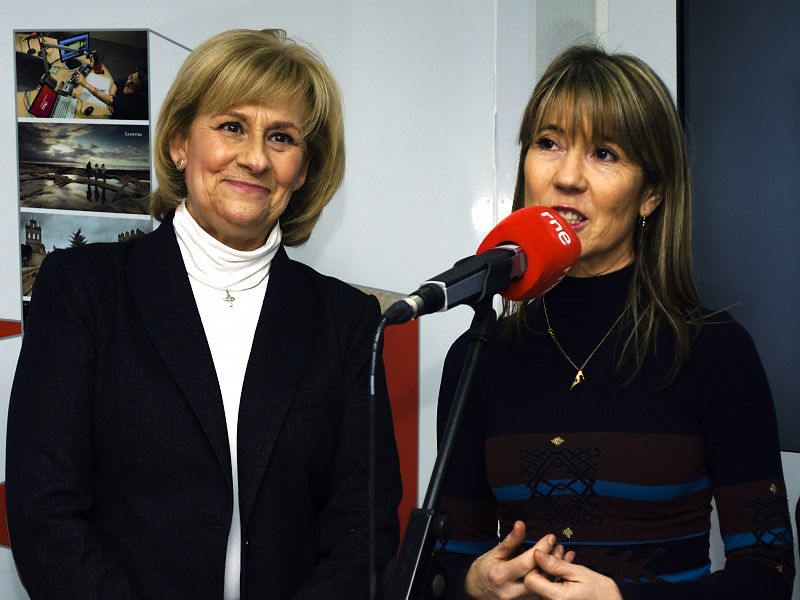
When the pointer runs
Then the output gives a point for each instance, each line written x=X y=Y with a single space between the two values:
x=118 y=465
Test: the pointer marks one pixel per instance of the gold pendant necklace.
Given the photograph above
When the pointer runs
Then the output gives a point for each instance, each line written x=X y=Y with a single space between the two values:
x=579 y=377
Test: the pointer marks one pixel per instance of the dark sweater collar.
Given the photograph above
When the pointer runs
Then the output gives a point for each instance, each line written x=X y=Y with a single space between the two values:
x=614 y=280
x=602 y=288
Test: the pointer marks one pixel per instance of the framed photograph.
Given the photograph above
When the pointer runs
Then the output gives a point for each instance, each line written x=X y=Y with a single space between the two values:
x=82 y=74
x=41 y=232
x=87 y=167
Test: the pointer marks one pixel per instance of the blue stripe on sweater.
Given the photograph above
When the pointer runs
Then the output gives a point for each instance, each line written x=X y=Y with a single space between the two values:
x=742 y=540
x=611 y=489
x=690 y=575
x=476 y=548
x=626 y=542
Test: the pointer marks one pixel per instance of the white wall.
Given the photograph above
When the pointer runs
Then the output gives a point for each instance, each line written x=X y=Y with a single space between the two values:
x=434 y=92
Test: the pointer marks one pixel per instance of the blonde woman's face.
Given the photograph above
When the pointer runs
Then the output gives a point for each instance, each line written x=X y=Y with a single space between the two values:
x=596 y=187
x=242 y=166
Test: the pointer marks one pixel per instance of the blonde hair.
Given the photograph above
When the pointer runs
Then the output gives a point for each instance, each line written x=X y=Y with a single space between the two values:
x=619 y=97
x=248 y=66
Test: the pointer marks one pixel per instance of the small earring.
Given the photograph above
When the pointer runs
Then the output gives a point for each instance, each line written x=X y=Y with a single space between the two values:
x=180 y=164
x=644 y=220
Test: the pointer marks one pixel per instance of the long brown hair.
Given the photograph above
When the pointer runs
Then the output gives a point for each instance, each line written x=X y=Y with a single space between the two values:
x=620 y=95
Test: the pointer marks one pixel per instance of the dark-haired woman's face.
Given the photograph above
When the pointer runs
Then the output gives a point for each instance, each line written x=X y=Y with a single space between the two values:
x=242 y=166
x=596 y=187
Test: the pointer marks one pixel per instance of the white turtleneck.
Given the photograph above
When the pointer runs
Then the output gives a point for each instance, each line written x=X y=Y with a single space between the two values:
x=229 y=326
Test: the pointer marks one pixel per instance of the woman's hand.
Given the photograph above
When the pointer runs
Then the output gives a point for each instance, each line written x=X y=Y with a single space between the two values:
x=557 y=579
x=81 y=79
x=499 y=574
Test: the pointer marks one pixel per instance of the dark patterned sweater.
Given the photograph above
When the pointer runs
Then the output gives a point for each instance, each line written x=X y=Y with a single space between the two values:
x=623 y=475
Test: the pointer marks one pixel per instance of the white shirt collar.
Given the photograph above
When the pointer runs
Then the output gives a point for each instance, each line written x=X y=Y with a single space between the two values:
x=215 y=264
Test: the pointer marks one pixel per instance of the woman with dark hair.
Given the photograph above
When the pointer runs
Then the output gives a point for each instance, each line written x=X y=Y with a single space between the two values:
x=189 y=412
x=609 y=412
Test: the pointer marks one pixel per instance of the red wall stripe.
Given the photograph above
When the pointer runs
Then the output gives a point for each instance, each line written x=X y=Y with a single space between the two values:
x=401 y=359
x=4 y=541
x=10 y=328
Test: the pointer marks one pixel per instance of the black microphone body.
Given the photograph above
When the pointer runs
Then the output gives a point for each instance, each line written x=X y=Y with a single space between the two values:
x=470 y=280
x=522 y=257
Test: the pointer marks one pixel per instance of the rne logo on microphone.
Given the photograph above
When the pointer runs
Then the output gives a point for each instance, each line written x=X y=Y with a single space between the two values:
x=563 y=236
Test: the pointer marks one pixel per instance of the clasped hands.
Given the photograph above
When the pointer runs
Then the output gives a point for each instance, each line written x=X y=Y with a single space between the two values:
x=545 y=571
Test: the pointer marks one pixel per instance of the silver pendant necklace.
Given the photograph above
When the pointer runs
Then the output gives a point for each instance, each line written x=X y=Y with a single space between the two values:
x=228 y=297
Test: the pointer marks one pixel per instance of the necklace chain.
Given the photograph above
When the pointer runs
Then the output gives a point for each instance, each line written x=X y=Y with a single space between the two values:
x=228 y=298
x=579 y=377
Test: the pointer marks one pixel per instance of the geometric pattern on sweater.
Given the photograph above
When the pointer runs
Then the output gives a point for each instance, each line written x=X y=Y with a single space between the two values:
x=766 y=518
x=562 y=484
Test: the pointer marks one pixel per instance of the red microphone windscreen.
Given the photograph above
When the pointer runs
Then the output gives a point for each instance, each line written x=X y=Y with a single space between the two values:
x=550 y=245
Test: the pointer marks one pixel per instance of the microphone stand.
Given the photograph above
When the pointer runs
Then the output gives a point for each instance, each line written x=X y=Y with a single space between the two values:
x=43 y=46
x=410 y=572
x=43 y=57
x=65 y=90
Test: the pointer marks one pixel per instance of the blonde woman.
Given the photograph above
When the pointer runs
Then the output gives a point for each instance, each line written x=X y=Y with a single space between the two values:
x=188 y=420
